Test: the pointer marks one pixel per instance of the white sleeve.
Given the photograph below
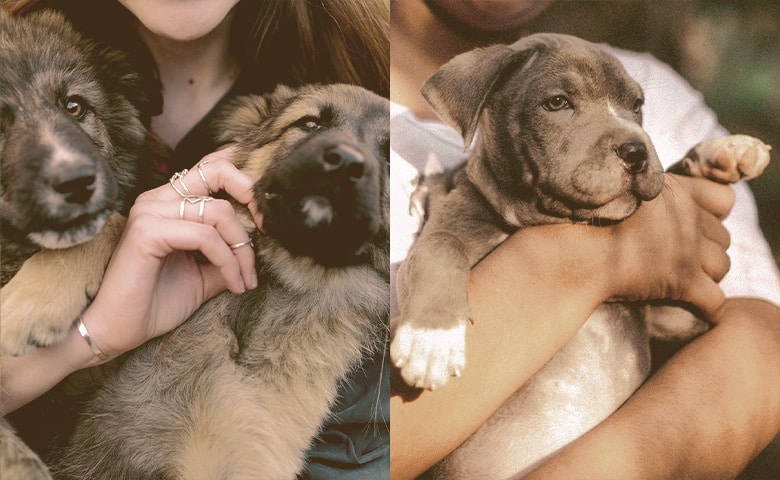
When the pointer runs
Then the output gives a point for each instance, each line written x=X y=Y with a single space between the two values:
x=676 y=118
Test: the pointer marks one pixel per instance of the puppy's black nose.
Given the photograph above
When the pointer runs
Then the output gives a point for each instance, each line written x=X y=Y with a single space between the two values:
x=634 y=156
x=345 y=159
x=75 y=185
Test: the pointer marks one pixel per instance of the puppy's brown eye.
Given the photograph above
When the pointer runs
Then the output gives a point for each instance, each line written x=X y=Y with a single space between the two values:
x=76 y=107
x=558 y=102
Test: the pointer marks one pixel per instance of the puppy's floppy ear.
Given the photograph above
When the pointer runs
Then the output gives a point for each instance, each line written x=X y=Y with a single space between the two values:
x=458 y=91
x=240 y=118
x=120 y=75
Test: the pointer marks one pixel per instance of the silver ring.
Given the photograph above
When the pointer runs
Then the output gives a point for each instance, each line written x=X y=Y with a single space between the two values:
x=240 y=244
x=202 y=207
x=183 y=191
x=203 y=176
x=192 y=200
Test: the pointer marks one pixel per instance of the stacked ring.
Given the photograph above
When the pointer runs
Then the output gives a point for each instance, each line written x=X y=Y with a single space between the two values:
x=193 y=199
x=184 y=191
x=203 y=176
x=187 y=196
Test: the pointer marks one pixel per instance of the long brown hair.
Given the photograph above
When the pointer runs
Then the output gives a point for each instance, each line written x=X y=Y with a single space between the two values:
x=291 y=42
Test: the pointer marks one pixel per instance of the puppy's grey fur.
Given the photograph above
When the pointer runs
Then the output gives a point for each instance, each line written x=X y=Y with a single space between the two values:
x=560 y=140
x=239 y=390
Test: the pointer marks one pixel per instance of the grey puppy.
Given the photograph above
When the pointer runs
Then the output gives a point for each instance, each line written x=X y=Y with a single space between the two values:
x=560 y=140
x=240 y=389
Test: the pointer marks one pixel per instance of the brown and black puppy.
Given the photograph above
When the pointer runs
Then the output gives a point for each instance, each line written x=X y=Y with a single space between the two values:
x=71 y=146
x=558 y=123
x=239 y=390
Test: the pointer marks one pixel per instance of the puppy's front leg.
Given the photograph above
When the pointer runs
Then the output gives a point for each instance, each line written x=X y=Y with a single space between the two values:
x=40 y=303
x=725 y=159
x=429 y=343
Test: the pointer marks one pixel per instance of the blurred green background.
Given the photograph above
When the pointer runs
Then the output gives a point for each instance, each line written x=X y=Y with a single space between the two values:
x=728 y=50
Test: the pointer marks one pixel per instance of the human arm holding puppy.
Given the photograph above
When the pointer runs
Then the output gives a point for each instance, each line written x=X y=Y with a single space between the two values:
x=672 y=247
x=153 y=282
x=525 y=314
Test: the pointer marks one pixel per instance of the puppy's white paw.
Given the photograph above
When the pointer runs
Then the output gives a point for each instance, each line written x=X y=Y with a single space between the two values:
x=731 y=158
x=428 y=358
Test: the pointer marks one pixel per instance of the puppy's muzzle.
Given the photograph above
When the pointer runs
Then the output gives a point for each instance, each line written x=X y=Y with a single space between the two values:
x=322 y=200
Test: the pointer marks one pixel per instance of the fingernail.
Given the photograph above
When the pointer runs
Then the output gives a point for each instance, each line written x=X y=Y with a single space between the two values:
x=253 y=280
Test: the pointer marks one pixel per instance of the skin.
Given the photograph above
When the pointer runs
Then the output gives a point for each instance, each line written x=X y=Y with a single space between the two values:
x=152 y=283
x=673 y=247
x=189 y=41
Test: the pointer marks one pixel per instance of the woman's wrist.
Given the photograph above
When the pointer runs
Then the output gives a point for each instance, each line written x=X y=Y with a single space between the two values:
x=29 y=376
x=78 y=350
x=95 y=336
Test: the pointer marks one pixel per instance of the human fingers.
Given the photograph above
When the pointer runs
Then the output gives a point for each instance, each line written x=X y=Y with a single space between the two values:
x=210 y=212
x=714 y=197
x=157 y=237
x=214 y=173
x=704 y=293
x=712 y=228
x=714 y=261
x=220 y=214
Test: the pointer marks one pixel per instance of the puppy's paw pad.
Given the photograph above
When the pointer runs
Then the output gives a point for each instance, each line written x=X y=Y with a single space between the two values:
x=428 y=358
x=731 y=158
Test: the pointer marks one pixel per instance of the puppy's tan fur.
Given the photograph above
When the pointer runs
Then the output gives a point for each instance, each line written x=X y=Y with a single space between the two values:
x=240 y=389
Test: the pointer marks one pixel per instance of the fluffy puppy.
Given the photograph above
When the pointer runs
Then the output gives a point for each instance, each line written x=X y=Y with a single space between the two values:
x=239 y=390
x=71 y=147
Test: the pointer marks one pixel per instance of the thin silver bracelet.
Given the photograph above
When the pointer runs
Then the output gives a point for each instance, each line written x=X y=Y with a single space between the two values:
x=85 y=335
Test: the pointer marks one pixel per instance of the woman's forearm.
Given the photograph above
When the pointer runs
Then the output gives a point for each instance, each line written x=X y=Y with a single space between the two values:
x=527 y=299
x=710 y=410
x=27 y=377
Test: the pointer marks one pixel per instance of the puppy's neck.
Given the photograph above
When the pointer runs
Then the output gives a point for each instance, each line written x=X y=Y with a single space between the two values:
x=508 y=195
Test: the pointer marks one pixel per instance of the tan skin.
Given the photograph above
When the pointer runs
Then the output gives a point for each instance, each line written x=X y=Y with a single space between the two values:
x=539 y=304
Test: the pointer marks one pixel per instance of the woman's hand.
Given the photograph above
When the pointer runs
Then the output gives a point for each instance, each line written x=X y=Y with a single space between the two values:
x=153 y=282
x=674 y=247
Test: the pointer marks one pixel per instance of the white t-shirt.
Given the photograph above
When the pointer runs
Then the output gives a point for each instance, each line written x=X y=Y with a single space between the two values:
x=675 y=117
